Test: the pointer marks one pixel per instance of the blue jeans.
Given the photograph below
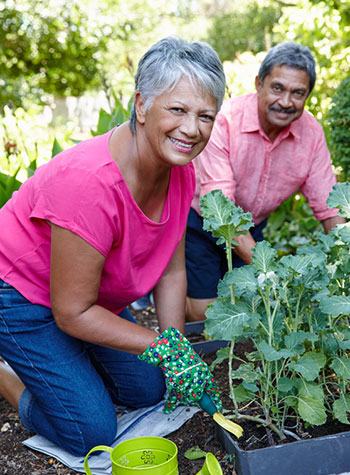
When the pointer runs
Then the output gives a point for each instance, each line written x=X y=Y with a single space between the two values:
x=71 y=385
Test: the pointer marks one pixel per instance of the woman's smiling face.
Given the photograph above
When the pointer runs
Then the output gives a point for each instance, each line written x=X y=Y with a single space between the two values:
x=178 y=124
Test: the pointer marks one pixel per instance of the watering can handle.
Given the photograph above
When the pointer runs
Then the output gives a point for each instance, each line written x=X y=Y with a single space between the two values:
x=207 y=404
x=95 y=449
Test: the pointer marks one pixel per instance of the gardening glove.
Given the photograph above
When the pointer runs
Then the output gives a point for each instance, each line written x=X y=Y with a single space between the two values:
x=186 y=375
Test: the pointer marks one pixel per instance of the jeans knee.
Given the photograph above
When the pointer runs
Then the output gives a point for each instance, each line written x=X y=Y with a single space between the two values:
x=91 y=432
x=151 y=394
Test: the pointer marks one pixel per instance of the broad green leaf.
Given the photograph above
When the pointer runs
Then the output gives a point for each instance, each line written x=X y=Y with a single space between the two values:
x=312 y=410
x=299 y=264
x=343 y=232
x=271 y=354
x=294 y=339
x=250 y=386
x=264 y=257
x=317 y=357
x=8 y=185
x=335 y=305
x=245 y=371
x=341 y=366
x=241 y=394
x=56 y=148
x=311 y=389
x=341 y=408
x=330 y=344
x=222 y=217
x=339 y=197
x=105 y=123
x=243 y=279
x=222 y=354
x=284 y=385
x=225 y=321
x=306 y=367
x=344 y=345
x=194 y=453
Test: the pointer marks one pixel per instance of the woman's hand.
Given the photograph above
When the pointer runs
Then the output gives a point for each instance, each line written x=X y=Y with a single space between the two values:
x=186 y=375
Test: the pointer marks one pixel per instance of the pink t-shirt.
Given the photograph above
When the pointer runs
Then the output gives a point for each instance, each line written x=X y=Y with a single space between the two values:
x=83 y=190
x=259 y=175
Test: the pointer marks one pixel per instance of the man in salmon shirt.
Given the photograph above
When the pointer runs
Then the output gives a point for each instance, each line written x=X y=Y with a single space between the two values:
x=263 y=148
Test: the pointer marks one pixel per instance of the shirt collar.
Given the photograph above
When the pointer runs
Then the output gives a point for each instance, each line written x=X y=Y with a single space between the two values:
x=251 y=122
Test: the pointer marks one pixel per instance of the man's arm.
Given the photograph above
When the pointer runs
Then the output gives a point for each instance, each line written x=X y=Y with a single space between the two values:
x=330 y=223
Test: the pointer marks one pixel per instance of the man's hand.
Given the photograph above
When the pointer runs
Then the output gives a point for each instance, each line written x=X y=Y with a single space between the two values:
x=330 y=223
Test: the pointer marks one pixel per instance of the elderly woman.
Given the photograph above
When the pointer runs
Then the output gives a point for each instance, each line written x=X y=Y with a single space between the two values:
x=93 y=230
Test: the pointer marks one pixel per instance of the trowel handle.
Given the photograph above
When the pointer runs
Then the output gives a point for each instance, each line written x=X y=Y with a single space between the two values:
x=207 y=404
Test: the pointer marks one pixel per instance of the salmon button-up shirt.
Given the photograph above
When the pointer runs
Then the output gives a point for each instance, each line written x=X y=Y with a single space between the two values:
x=257 y=174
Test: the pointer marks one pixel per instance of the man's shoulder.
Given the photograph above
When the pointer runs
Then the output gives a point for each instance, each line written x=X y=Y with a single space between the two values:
x=235 y=107
x=307 y=122
x=239 y=101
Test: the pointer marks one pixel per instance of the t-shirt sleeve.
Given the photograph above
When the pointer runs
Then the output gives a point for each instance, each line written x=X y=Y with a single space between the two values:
x=80 y=201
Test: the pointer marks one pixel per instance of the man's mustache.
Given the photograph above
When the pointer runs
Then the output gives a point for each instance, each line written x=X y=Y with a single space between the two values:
x=282 y=109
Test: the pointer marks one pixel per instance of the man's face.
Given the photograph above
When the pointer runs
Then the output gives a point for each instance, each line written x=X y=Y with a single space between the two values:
x=281 y=98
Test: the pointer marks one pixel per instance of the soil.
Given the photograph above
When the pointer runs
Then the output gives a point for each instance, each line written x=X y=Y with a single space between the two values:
x=199 y=431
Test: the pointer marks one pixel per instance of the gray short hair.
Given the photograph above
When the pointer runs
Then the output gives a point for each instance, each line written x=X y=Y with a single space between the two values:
x=168 y=60
x=292 y=55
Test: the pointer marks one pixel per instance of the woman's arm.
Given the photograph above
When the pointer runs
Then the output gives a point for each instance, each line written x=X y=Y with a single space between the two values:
x=76 y=269
x=170 y=292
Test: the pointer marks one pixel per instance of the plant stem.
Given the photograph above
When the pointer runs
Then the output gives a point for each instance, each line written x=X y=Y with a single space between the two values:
x=232 y=393
x=228 y=248
x=266 y=423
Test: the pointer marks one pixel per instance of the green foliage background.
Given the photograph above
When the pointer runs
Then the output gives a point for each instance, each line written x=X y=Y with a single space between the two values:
x=55 y=48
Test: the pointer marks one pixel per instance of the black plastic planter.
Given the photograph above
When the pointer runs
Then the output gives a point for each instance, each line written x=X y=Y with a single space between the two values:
x=205 y=346
x=329 y=455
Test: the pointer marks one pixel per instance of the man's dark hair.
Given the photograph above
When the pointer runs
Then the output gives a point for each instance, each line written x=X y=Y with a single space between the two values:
x=292 y=55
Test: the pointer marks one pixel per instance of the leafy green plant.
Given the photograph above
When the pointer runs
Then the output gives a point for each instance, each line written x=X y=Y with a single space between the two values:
x=295 y=311
x=339 y=125
x=118 y=115
x=291 y=225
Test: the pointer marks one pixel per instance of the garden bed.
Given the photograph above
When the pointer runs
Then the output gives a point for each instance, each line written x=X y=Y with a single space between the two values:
x=15 y=458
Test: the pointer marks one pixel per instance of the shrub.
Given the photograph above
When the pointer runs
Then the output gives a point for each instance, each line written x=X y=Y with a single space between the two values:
x=339 y=124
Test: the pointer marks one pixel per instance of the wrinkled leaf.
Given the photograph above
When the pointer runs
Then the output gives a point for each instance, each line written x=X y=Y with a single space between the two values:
x=339 y=198
x=222 y=217
x=264 y=256
x=195 y=453
x=306 y=367
x=341 y=409
x=294 y=340
x=312 y=410
x=245 y=372
x=284 y=385
x=341 y=366
x=335 y=305
x=225 y=321
x=221 y=355
x=271 y=354
x=243 y=279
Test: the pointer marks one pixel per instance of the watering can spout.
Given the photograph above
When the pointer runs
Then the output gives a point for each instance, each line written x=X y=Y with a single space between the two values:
x=211 y=466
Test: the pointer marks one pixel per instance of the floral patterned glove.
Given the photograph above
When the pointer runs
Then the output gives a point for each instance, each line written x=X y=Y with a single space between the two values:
x=186 y=375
